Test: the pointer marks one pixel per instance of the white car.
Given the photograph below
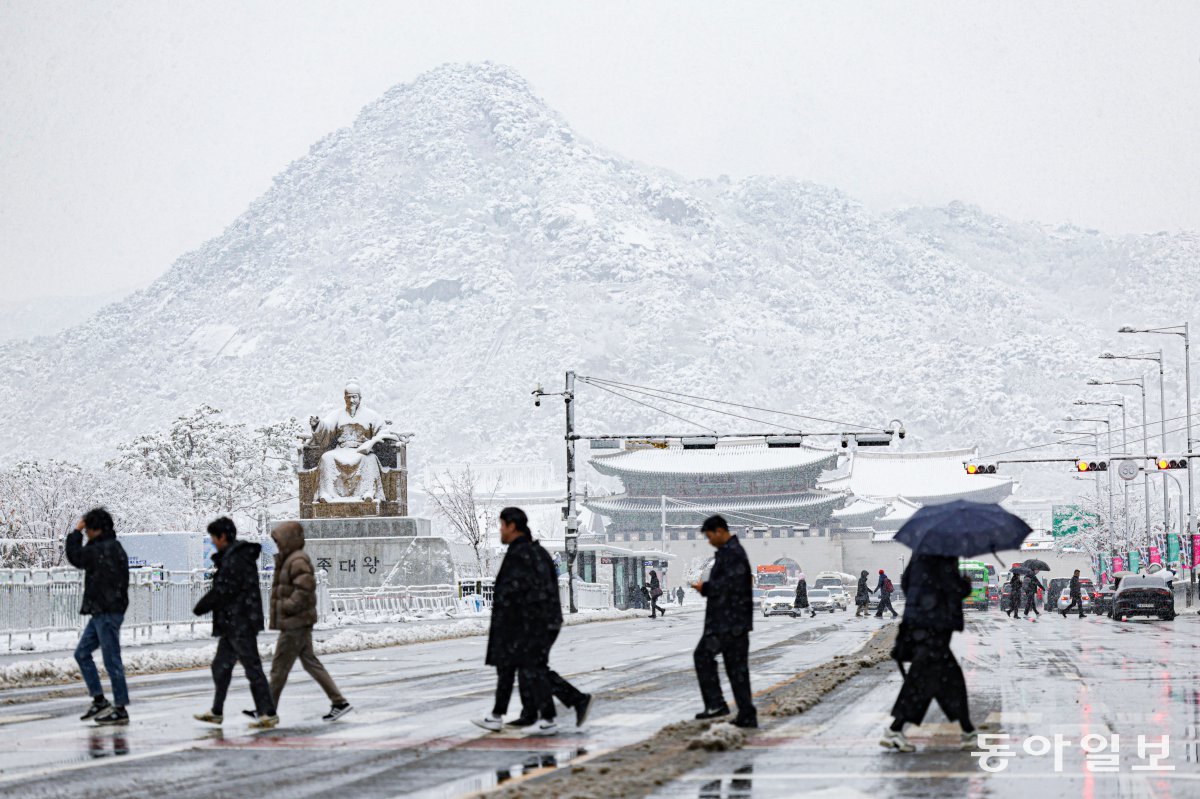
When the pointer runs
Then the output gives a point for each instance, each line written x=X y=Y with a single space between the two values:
x=821 y=599
x=778 y=602
x=840 y=598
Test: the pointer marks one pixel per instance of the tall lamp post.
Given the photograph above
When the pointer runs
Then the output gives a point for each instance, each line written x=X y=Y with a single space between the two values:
x=1095 y=443
x=1140 y=382
x=1108 y=426
x=1183 y=331
x=1162 y=419
x=1124 y=442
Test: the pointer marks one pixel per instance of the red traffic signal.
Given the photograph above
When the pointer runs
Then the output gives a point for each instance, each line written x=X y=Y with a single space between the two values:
x=981 y=468
x=1092 y=466
x=1172 y=463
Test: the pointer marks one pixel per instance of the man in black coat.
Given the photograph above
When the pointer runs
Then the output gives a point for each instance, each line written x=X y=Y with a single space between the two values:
x=526 y=619
x=235 y=602
x=1032 y=584
x=862 y=595
x=728 y=620
x=1076 y=595
x=934 y=590
x=1014 y=595
x=105 y=599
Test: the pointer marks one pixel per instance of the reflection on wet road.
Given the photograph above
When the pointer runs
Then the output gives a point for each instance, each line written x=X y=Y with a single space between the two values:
x=1050 y=686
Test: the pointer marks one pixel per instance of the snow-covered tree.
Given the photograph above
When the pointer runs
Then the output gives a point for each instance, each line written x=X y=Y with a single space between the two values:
x=457 y=497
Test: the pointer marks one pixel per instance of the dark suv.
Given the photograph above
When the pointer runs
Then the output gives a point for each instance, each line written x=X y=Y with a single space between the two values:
x=1144 y=595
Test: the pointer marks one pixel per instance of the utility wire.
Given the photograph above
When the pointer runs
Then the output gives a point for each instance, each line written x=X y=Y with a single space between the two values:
x=654 y=408
x=1076 y=439
x=734 y=404
x=589 y=381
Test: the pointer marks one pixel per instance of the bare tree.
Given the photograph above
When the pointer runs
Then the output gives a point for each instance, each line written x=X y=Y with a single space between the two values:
x=459 y=501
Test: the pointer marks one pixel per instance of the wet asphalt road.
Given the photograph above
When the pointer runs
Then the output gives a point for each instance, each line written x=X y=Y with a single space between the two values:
x=1056 y=676
x=410 y=733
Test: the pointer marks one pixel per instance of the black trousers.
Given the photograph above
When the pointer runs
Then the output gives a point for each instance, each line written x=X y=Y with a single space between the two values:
x=232 y=649
x=559 y=689
x=654 y=607
x=1031 y=604
x=885 y=603
x=735 y=651
x=1075 y=600
x=934 y=674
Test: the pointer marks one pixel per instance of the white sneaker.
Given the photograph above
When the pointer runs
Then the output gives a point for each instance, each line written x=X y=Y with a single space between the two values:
x=545 y=727
x=491 y=722
x=896 y=740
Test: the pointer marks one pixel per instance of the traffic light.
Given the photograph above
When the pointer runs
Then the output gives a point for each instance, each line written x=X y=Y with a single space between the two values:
x=1170 y=463
x=980 y=468
x=1091 y=466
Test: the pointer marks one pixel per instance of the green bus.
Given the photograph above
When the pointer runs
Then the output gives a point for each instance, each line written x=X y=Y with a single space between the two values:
x=977 y=572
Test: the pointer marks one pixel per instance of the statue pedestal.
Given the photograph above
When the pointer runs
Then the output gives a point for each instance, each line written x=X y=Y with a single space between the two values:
x=344 y=510
x=362 y=552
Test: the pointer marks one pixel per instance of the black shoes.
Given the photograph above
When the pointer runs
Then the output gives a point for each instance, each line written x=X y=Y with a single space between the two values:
x=712 y=713
x=337 y=711
x=746 y=724
x=524 y=721
x=581 y=710
x=113 y=716
x=98 y=706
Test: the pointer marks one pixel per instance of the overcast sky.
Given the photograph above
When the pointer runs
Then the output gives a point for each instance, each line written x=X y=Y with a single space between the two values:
x=132 y=132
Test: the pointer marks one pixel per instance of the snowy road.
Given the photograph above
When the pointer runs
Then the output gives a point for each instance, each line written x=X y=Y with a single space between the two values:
x=1057 y=676
x=410 y=733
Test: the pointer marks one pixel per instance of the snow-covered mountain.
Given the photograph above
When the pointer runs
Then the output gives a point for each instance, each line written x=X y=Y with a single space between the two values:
x=460 y=243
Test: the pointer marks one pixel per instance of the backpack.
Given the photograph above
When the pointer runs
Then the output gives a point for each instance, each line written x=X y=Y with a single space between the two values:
x=887 y=585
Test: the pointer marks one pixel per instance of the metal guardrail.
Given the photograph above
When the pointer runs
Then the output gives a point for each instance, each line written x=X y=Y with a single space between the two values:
x=394 y=599
x=44 y=601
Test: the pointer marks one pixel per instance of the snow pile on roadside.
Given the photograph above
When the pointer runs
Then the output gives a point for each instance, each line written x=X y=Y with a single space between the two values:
x=51 y=671
x=719 y=738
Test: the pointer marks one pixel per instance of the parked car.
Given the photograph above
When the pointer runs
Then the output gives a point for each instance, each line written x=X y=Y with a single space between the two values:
x=840 y=598
x=1064 y=599
x=820 y=599
x=1144 y=595
x=778 y=602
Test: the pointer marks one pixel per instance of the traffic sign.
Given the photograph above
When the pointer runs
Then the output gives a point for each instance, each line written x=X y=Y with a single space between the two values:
x=1128 y=470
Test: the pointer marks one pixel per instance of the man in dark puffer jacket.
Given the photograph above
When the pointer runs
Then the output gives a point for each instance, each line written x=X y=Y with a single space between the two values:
x=236 y=605
x=105 y=599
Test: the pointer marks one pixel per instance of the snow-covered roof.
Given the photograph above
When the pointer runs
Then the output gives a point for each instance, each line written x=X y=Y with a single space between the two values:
x=922 y=477
x=627 y=504
x=860 y=508
x=742 y=457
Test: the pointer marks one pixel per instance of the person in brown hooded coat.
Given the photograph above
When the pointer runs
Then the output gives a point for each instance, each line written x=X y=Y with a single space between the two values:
x=293 y=613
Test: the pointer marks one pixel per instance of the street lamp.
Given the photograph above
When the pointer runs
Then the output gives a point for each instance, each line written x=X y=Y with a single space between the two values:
x=1096 y=444
x=1140 y=382
x=1124 y=443
x=1183 y=331
x=1162 y=405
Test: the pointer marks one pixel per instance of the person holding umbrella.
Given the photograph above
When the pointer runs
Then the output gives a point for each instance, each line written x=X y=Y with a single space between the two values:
x=1032 y=584
x=1014 y=592
x=934 y=589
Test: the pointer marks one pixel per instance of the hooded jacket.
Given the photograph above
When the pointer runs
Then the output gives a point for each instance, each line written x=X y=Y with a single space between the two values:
x=862 y=594
x=294 y=588
x=105 y=572
x=234 y=598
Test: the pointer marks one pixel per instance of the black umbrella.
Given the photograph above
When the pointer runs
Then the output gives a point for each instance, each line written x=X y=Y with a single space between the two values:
x=1021 y=570
x=962 y=529
x=1033 y=564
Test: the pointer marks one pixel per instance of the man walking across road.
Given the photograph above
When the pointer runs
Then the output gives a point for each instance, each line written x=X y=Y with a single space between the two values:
x=1014 y=596
x=728 y=619
x=105 y=599
x=679 y=595
x=1076 y=596
x=293 y=613
x=885 y=589
x=1031 y=586
x=526 y=618
x=236 y=605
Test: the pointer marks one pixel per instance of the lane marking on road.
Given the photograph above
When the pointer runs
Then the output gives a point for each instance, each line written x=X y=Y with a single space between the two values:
x=28 y=717
x=69 y=767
